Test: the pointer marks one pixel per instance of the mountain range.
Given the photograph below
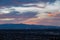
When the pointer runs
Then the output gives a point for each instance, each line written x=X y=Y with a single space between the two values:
x=26 y=26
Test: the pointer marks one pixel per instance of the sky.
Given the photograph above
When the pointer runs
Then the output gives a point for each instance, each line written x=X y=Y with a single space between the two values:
x=38 y=12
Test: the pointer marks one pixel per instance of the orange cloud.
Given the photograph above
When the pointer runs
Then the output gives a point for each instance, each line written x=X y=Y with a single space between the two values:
x=31 y=21
x=53 y=14
x=49 y=14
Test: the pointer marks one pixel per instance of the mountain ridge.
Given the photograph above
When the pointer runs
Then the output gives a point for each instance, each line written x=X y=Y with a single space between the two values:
x=26 y=26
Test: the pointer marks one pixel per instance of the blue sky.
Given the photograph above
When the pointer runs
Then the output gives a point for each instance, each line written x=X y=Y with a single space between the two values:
x=39 y=12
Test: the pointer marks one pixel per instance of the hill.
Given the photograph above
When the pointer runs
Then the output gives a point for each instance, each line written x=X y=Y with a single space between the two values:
x=26 y=26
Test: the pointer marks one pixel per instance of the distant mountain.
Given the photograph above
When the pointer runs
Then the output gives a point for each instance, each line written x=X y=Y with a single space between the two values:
x=26 y=26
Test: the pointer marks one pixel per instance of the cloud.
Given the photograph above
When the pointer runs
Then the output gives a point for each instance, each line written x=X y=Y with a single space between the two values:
x=32 y=7
x=19 y=2
x=42 y=13
x=6 y=19
x=47 y=8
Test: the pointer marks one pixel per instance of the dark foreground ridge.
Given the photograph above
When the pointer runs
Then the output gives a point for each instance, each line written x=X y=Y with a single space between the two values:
x=25 y=26
x=29 y=32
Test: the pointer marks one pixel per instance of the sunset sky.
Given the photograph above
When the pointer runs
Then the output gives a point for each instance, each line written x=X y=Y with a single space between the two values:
x=38 y=12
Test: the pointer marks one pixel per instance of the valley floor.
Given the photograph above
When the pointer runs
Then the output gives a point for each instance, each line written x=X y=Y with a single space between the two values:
x=29 y=34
